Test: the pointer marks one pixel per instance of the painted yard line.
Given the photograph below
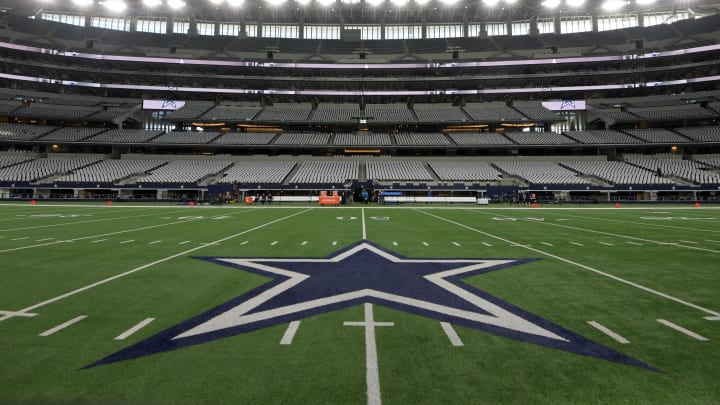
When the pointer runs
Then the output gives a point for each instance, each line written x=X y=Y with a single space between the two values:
x=648 y=224
x=682 y=330
x=710 y=240
x=334 y=243
x=620 y=236
x=634 y=243
x=134 y=329
x=451 y=334
x=80 y=222
x=98 y=241
x=273 y=243
x=148 y=265
x=425 y=244
x=487 y=244
x=63 y=325
x=290 y=333
x=576 y=244
x=364 y=229
x=304 y=243
x=184 y=242
x=609 y=332
x=127 y=241
x=154 y=242
x=547 y=244
x=584 y=267
x=606 y=244
x=712 y=318
x=395 y=244
x=44 y=240
x=245 y=242
x=456 y=244
x=689 y=241
x=371 y=358
x=22 y=314
x=23 y=238
x=97 y=236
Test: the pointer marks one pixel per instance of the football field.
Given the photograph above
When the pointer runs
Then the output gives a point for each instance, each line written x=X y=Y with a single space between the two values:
x=359 y=305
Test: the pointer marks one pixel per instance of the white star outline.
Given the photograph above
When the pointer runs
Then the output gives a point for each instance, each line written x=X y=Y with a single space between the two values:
x=238 y=315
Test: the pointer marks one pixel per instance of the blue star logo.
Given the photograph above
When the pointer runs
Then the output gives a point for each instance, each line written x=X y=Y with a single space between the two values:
x=366 y=273
x=168 y=104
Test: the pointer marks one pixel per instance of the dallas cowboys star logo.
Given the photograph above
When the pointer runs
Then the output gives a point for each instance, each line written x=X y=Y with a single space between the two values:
x=367 y=273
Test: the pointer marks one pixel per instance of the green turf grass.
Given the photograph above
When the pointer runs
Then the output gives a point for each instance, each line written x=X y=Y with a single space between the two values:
x=675 y=253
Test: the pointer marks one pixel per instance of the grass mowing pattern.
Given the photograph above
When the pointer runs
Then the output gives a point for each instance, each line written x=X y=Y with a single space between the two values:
x=674 y=251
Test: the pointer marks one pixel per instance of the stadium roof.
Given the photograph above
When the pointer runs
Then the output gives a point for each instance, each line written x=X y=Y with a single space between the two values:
x=320 y=10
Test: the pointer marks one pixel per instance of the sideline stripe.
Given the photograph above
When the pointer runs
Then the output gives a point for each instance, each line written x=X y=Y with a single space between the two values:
x=290 y=333
x=609 y=332
x=44 y=240
x=134 y=329
x=682 y=330
x=582 y=266
x=63 y=325
x=145 y=266
x=451 y=334
x=689 y=241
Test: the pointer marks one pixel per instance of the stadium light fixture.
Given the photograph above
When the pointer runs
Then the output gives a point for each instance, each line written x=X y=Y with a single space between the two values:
x=235 y=3
x=422 y=2
x=613 y=5
x=114 y=5
x=216 y=1
x=82 y=3
x=374 y=2
x=490 y=3
x=448 y=2
x=575 y=3
x=176 y=4
x=326 y=3
x=551 y=3
x=152 y=3
x=303 y=2
x=645 y=2
x=399 y=3
x=275 y=3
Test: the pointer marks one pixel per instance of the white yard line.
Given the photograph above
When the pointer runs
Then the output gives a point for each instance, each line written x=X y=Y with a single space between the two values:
x=63 y=325
x=290 y=332
x=184 y=242
x=98 y=241
x=634 y=243
x=304 y=243
x=487 y=244
x=371 y=357
x=576 y=244
x=273 y=243
x=547 y=244
x=456 y=244
x=80 y=222
x=98 y=236
x=154 y=242
x=609 y=332
x=334 y=243
x=606 y=244
x=134 y=329
x=634 y=238
x=148 y=265
x=245 y=242
x=451 y=334
x=127 y=241
x=364 y=229
x=425 y=244
x=582 y=266
x=682 y=330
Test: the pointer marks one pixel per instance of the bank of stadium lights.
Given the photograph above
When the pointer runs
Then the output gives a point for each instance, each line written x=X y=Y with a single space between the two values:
x=83 y=3
x=176 y=4
x=614 y=5
x=114 y=5
x=152 y=3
